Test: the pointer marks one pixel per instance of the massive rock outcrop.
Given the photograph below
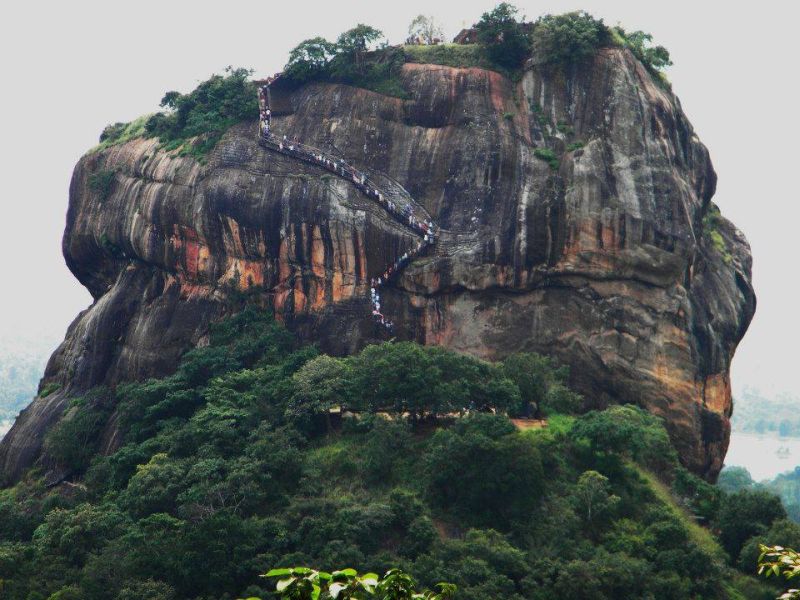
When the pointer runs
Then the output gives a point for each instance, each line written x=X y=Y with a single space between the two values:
x=606 y=262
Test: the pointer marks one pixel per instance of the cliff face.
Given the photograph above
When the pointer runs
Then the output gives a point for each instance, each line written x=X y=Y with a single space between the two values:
x=603 y=263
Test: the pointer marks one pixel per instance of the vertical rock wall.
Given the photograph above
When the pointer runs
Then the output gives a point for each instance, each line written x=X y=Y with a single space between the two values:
x=603 y=261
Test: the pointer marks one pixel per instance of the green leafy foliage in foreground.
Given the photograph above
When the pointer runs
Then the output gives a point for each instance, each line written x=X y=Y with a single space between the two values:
x=235 y=465
x=302 y=583
x=782 y=562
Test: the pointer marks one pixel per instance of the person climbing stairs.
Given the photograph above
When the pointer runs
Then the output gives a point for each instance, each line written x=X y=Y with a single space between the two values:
x=422 y=226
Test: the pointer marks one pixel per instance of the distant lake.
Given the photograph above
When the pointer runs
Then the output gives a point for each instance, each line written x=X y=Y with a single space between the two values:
x=759 y=454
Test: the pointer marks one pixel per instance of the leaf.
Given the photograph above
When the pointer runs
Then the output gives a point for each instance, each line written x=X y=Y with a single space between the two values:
x=278 y=573
x=346 y=572
x=335 y=589
x=315 y=592
x=284 y=583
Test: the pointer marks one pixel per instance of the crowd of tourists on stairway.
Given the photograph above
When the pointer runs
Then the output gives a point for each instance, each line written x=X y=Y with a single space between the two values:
x=404 y=214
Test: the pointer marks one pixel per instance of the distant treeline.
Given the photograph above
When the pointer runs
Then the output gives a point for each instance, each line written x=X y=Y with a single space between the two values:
x=20 y=372
x=755 y=413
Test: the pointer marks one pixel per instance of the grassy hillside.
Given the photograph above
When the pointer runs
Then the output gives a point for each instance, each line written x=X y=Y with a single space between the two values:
x=235 y=464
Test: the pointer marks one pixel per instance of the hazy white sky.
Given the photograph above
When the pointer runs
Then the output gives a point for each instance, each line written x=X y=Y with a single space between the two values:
x=70 y=68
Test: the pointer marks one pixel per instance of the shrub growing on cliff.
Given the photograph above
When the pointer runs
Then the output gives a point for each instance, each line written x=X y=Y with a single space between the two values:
x=547 y=155
x=195 y=122
x=568 y=39
x=451 y=55
x=712 y=235
x=310 y=59
x=113 y=132
x=654 y=58
x=504 y=37
x=102 y=183
x=119 y=133
x=351 y=48
x=351 y=60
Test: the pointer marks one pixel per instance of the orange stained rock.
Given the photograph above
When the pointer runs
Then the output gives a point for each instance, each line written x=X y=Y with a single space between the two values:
x=187 y=290
x=717 y=393
x=279 y=301
x=234 y=245
x=251 y=273
x=195 y=251
x=590 y=247
x=343 y=281
x=362 y=256
x=299 y=297
x=317 y=253
x=676 y=382
x=496 y=81
x=284 y=268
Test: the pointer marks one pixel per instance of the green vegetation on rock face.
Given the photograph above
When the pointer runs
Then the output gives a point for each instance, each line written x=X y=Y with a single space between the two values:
x=349 y=60
x=712 y=235
x=235 y=465
x=570 y=38
x=102 y=183
x=119 y=133
x=654 y=58
x=504 y=38
x=194 y=122
x=451 y=55
x=504 y=44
